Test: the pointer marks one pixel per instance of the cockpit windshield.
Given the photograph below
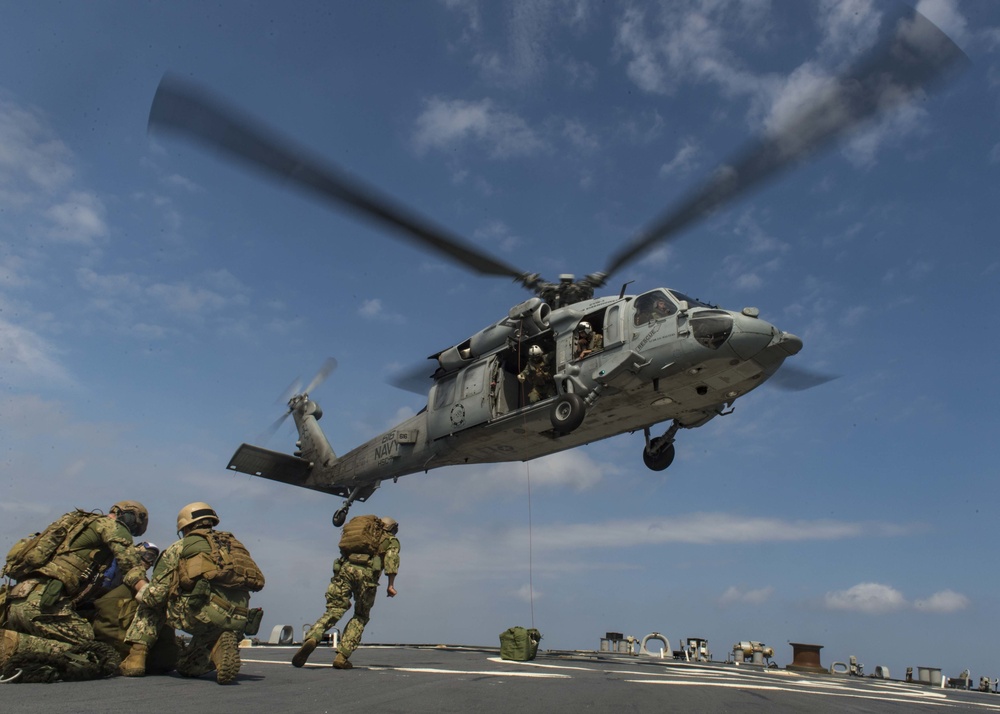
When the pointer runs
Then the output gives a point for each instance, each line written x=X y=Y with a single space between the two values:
x=692 y=302
x=654 y=305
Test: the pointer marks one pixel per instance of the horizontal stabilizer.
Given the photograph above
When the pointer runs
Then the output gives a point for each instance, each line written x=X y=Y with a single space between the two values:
x=276 y=466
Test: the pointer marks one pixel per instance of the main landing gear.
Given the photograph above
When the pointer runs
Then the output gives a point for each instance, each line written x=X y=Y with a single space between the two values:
x=568 y=412
x=658 y=453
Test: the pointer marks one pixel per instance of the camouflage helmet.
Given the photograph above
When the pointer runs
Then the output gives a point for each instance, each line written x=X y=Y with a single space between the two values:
x=197 y=511
x=133 y=515
x=390 y=524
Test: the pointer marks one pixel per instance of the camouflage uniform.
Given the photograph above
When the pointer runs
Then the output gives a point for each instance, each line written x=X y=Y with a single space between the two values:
x=361 y=582
x=206 y=612
x=538 y=376
x=67 y=578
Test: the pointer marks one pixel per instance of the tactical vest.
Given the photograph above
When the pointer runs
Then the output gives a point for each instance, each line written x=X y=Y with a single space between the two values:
x=62 y=551
x=218 y=557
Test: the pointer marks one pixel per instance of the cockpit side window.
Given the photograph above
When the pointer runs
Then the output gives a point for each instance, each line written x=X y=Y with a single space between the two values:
x=654 y=305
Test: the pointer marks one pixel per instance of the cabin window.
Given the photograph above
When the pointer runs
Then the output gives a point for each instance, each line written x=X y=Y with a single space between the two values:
x=473 y=381
x=444 y=392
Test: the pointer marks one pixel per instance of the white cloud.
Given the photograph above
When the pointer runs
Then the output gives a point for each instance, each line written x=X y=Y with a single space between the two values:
x=572 y=469
x=868 y=598
x=738 y=595
x=527 y=593
x=697 y=528
x=373 y=309
x=79 y=219
x=849 y=27
x=497 y=234
x=28 y=358
x=29 y=152
x=943 y=602
x=445 y=123
x=212 y=291
x=683 y=160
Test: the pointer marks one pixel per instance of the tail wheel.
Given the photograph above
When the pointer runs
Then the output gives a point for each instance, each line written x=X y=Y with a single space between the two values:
x=568 y=412
x=339 y=517
x=657 y=459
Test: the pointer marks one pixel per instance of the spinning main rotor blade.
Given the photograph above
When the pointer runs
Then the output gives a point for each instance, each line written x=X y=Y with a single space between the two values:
x=915 y=55
x=188 y=110
x=795 y=379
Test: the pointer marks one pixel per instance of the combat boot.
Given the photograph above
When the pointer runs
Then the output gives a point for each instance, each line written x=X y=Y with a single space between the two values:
x=341 y=662
x=135 y=664
x=226 y=658
x=308 y=645
x=8 y=645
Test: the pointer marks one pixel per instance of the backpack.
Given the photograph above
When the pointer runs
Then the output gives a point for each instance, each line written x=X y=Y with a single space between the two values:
x=519 y=644
x=362 y=535
x=37 y=550
x=228 y=564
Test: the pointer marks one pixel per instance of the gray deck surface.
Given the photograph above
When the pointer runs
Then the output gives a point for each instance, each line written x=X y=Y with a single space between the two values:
x=427 y=678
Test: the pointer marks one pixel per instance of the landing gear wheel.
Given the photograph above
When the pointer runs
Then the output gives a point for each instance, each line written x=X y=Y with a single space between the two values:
x=339 y=517
x=568 y=412
x=657 y=460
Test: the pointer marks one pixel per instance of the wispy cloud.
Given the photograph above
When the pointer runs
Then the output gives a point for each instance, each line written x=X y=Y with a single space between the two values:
x=373 y=309
x=684 y=160
x=701 y=529
x=879 y=599
x=944 y=602
x=28 y=358
x=869 y=598
x=742 y=596
x=445 y=123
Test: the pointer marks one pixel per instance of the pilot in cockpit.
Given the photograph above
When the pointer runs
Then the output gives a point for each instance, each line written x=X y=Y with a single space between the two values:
x=652 y=307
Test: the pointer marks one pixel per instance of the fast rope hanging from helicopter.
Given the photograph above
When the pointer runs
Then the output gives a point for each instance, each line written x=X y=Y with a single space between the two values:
x=527 y=474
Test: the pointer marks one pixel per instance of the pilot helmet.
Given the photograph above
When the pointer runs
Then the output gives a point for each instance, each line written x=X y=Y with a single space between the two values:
x=535 y=353
x=585 y=328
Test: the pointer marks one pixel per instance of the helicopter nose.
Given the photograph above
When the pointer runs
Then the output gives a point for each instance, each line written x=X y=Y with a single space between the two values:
x=751 y=335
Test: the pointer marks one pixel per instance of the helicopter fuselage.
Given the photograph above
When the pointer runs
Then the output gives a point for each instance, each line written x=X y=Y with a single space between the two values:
x=665 y=357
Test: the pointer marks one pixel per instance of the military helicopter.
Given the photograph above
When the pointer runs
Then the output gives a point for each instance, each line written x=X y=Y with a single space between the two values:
x=609 y=365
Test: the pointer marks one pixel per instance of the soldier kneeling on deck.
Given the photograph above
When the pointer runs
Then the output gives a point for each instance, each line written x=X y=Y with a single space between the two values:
x=201 y=584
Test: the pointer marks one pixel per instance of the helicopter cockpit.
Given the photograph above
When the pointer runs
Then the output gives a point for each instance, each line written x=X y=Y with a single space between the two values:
x=654 y=305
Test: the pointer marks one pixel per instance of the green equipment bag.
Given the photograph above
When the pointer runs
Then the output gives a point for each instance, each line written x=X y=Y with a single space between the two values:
x=519 y=644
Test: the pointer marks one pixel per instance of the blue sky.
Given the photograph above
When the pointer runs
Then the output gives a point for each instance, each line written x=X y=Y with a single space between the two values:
x=155 y=301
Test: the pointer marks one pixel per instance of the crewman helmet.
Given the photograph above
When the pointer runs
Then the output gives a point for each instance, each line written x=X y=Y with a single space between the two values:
x=194 y=512
x=585 y=328
x=133 y=515
x=535 y=353
x=150 y=552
